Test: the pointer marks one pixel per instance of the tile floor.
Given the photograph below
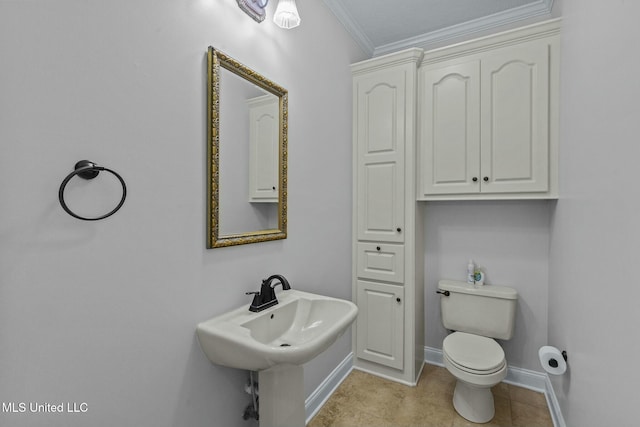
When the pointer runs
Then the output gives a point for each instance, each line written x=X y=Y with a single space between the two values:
x=369 y=401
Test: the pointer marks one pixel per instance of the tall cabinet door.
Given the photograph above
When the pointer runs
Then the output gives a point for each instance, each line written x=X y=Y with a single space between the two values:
x=380 y=110
x=380 y=323
x=515 y=119
x=450 y=128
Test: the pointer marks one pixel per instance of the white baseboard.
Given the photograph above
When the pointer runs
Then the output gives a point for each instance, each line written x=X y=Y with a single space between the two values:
x=320 y=395
x=525 y=378
x=433 y=356
x=532 y=380
x=554 y=406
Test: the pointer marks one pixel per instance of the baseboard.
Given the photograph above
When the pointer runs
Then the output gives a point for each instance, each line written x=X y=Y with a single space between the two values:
x=525 y=378
x=320 y=395
x=433 y=356
x=554 y=406
x=533 y=380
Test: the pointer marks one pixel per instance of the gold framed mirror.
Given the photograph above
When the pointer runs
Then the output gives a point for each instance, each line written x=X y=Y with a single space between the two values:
x=247 y=116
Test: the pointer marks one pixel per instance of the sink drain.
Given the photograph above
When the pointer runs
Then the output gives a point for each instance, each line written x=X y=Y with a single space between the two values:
x=285 y=345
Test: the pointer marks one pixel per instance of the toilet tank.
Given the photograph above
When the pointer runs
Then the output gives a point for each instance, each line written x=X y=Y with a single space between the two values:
x=486 y=310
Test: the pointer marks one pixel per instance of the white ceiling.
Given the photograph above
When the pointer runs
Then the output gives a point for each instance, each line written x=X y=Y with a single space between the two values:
x=382 y=26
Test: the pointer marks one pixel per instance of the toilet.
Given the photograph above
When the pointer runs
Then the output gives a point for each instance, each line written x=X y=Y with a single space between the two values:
x=476 y=315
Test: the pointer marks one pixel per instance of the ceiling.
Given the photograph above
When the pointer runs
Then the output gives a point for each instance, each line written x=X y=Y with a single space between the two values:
x=383 y=26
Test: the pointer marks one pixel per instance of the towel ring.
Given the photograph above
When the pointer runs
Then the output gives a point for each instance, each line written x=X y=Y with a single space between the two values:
x=86 y=169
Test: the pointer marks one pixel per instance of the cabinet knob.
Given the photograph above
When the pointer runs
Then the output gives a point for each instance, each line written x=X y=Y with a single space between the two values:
x=377 y=248
x=274 y=188
x=398 y=300
x=399 y=230
x=474 y=179
x=485 y=179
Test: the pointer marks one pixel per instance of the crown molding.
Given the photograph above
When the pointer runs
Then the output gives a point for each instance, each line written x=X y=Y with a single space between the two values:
x=518 y=35
x=406 y=56
x=531 y=10
x=424 y=41
x=351 y=26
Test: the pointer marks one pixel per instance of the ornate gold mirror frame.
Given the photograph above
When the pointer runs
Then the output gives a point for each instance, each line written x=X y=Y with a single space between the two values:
x=215 y=60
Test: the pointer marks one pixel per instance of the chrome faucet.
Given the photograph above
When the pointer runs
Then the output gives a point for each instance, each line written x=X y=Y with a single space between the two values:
x=267 y=296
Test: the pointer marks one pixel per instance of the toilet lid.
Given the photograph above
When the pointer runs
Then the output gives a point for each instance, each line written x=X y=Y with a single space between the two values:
x=473 y=352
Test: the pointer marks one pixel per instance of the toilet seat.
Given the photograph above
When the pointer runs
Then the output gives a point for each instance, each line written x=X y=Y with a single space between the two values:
x=473 y=354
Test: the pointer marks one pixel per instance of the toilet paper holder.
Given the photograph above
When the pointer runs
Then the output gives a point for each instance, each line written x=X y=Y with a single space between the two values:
x=554 y=363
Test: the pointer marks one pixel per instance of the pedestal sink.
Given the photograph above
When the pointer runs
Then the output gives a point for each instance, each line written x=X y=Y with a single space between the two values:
x=276 y=342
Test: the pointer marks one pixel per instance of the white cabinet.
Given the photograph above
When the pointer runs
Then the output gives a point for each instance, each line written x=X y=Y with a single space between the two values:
x=488 y=117
x=381 y=261
x=515 y=117
x=389 y=335
x=450 y=138
x=380 y=329
x=263 y=148
x=476 y=120
x=380 y=140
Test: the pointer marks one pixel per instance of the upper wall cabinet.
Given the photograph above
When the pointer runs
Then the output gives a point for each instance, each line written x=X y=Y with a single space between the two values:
x=488 y=117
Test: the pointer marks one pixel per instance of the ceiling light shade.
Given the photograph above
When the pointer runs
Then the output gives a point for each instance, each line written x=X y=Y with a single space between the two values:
x=286 y=15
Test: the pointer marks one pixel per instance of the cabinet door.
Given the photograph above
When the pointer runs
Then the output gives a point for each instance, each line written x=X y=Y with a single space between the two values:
x=450 y=128
x=380 y=139
x=379 y=336
x=515 y=119
x=263 y=149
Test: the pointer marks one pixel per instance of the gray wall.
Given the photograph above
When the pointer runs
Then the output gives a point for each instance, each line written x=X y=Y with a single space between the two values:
x=510 y=240
x=104 y=312
x=593 y=290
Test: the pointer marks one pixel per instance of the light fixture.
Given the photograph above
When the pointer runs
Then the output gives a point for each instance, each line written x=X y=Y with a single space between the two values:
x=286 y=15
x=254 y=8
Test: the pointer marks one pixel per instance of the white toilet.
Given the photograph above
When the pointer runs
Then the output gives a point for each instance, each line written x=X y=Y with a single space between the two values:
x=476 y=315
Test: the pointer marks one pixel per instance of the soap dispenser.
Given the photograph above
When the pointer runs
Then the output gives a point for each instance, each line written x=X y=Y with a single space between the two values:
x=471 y=271
x=478 y=277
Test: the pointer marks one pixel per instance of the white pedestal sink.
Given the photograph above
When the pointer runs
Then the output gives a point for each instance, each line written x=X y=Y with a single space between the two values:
x=282 y=396
x=276 y=342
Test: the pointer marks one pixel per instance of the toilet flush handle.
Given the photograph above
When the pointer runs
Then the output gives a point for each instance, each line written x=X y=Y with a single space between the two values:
x=445 y=293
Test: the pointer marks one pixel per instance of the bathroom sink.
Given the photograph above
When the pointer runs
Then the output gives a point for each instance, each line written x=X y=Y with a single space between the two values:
x=297 y=329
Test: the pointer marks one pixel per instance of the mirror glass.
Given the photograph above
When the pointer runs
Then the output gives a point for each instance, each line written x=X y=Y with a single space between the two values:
x=246 y=154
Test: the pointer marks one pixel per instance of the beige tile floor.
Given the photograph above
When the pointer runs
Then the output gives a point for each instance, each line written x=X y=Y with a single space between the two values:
x=369 y=401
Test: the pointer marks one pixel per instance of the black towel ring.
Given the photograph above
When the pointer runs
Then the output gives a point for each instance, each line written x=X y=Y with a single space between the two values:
x=88 y=170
